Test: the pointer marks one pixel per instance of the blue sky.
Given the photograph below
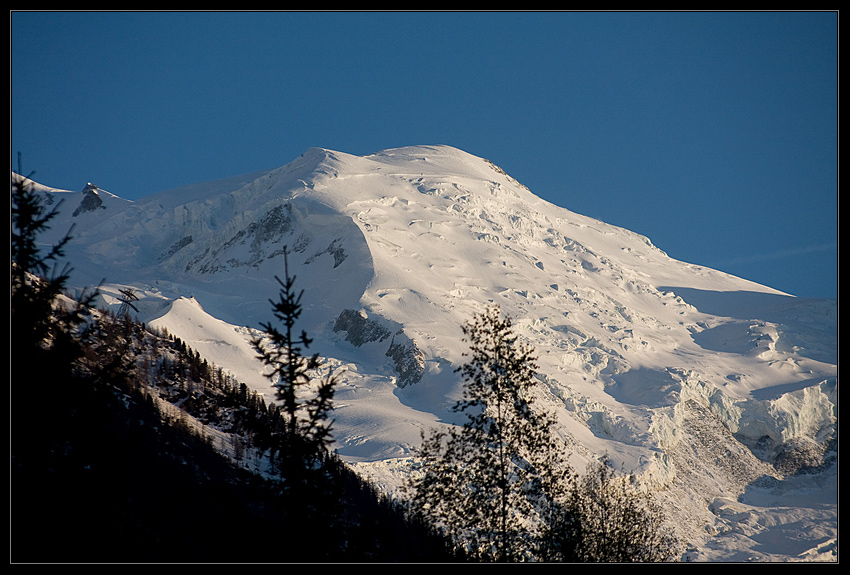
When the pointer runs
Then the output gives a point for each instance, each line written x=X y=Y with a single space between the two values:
x=714 y=134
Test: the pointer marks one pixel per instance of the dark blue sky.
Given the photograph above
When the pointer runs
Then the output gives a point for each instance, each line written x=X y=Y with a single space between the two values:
x=714 y=134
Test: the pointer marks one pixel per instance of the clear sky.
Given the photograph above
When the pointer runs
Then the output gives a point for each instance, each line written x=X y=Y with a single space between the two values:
x=714 y=134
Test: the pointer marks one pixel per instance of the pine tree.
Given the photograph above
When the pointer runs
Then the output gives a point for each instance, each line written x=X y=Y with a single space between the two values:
x=490 y=484
x=306 y=402
x=33 y=291
x=38 y=323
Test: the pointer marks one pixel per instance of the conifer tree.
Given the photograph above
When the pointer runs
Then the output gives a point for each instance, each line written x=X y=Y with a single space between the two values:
x=46 y=346
x=306 y=402
x=38 y=324
x=490 y=483
x=32 y=290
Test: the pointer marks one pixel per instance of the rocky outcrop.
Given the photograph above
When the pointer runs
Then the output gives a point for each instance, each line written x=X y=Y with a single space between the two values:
x=408 y=359
x=91 y=201
x=335 y=250
x=359 y=329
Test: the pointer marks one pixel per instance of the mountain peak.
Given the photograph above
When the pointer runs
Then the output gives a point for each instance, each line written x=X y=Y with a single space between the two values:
x=406 y=244
x=91 y=200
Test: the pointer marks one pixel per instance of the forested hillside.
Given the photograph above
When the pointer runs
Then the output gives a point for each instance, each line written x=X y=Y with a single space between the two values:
x=139 y=450
x=127 y=446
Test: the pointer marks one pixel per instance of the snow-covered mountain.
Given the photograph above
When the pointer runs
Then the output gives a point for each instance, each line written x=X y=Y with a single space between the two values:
x=721 y=394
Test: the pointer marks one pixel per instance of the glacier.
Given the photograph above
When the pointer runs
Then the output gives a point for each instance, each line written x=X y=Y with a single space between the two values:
x=720 y=394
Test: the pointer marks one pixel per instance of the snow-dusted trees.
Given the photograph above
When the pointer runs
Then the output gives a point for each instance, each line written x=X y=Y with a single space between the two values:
x=491 y=483
x=500 y=485
x=608 y=519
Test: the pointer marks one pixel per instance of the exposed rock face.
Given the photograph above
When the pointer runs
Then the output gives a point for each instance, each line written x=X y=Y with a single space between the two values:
x=408 y=359
x=177 y=246
x=360 y=329
x=263 y=238
x=91 y=201
x=799 y=455
x=335 y=249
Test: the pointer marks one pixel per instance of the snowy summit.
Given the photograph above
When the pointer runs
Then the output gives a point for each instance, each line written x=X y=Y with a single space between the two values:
x=721 y=394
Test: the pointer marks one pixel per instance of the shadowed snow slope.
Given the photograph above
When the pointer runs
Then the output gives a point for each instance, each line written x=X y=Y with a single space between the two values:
x=700 y=382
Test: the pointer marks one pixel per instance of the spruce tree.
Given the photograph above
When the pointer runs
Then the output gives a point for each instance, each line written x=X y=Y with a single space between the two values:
x=33 y=286
x=39 y=324
x=490 y=484
x=46 y=348
x=305 y=401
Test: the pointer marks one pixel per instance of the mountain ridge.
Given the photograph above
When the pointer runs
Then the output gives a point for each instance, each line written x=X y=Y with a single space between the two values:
x=407 y=243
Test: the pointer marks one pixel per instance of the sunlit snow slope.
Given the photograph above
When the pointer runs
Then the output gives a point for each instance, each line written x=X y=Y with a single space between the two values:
x=714 y=389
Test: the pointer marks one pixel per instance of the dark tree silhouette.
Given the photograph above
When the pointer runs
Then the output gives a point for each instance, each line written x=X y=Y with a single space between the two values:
x=33 y=286
x=306 y=401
